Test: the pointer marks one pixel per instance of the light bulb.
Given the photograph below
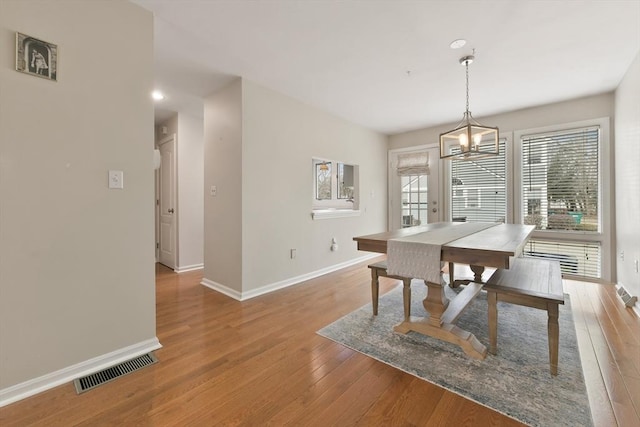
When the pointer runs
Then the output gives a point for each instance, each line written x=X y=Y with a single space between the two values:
x=463 y=140
x=477 y=138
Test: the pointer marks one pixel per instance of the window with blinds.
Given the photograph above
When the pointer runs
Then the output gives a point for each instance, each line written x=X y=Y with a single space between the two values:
x=560 y=195
x=560 y=180
x=478 y=188
x=576 y=258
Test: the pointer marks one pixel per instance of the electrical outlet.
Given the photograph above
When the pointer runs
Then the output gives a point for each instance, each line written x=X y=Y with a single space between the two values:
x=213 y=190
x=622 y=255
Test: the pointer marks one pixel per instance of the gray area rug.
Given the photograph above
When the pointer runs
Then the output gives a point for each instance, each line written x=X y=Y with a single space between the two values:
x=515 y=382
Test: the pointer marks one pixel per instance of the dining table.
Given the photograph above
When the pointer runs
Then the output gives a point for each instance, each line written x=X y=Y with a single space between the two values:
x=420 y=253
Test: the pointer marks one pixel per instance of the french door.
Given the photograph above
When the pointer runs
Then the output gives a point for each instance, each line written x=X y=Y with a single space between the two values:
x=414 y=195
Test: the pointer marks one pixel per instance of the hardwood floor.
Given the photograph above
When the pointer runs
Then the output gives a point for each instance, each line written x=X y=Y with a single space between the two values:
x=226 y=362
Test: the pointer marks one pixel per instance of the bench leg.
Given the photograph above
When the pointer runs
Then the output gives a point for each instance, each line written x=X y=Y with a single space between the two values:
x=374 y=290
x=406 y=298
x=492 y=298
x=554 y=332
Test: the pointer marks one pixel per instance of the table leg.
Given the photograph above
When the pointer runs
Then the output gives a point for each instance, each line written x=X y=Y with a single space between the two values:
x=435 y=303
x=452 y=281
x=477 y=273
x=441 y=318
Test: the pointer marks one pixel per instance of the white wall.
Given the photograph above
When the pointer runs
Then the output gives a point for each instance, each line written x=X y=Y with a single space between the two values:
x=627 y=175
x=223 y=168
x=190 y=191
x=259 y=145
x=280 y=137
x=575 y=110
x=189 y=131
x=76 y=259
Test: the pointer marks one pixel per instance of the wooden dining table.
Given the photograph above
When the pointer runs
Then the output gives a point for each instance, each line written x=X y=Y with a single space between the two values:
x=490 y=245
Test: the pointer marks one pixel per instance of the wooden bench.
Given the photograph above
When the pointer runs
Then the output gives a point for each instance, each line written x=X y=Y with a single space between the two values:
x=379 y=269
x=533 y=283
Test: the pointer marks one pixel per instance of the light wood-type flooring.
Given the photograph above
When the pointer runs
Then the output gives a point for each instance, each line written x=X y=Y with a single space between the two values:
x=260 y=362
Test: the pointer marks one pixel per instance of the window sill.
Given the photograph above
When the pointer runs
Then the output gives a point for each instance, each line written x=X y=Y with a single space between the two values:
x=333 y=213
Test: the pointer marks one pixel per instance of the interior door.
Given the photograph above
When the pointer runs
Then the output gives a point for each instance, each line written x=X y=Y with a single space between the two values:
x=414 y=199
x=167 y=240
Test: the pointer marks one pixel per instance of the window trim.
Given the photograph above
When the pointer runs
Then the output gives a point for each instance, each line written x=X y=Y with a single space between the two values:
x=514 y=167
x=605 y=191
x=334 y=213
x=334 y=207
x=394 y=198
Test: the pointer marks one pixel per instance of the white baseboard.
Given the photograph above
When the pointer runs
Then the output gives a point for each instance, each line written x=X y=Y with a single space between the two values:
x=242 y=296
x=222 y=289
x=188 y=268
x=68 y=374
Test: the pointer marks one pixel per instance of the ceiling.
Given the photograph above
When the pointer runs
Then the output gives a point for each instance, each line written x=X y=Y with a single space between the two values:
x=387 y=64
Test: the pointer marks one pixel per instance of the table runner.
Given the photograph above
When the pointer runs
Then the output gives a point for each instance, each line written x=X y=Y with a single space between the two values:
x=418 y=256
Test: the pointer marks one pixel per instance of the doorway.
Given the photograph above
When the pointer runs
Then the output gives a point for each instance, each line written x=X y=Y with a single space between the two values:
x=414 y=191
x=166 y=203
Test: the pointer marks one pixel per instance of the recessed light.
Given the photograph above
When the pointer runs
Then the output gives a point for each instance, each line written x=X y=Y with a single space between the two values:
x=157 y=95
x=457 y=44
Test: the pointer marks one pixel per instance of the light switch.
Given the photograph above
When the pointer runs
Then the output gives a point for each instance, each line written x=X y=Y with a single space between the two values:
x=116 y=179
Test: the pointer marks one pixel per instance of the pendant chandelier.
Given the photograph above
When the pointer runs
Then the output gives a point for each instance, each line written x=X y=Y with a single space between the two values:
x=469 y=140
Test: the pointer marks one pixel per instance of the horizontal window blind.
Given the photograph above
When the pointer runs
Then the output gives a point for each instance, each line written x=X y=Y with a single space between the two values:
x=576 y=258
x=478 y=188
x=560 y=194
x=560 y=180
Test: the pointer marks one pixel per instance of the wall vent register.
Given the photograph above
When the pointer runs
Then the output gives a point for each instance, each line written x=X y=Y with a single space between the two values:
x=106 y=375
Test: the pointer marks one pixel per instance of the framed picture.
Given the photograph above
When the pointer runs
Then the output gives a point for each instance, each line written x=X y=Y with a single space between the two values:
x=36 y=57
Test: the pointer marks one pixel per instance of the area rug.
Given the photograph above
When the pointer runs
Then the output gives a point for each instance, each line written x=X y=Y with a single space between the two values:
x=515 y=382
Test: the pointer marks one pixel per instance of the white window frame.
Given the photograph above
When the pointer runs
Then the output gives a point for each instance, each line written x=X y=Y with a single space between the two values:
x=514 y=164
x=394 y=199
x=605 y=191
x=334 y=208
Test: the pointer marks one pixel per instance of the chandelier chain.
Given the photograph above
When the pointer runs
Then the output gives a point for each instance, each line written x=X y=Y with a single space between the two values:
x=466 y=66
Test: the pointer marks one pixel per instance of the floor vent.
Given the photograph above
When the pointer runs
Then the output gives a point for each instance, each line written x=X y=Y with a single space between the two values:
x=94 y=380
x=625 y=296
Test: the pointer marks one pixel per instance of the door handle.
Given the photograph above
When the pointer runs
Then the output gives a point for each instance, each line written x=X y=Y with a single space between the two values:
x=170 y=210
